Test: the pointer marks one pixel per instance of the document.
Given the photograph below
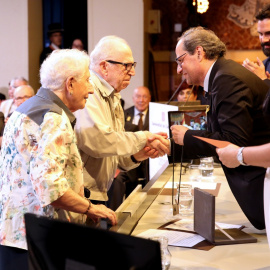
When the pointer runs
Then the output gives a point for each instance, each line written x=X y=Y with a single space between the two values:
x=176 y=238
x=216 y=143
x=186 y=224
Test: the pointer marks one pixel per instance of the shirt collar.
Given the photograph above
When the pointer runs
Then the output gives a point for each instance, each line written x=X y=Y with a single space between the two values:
x=50 y=95
x=54 y=46
x=136 y=112
x=206 y=79
x=105 y=88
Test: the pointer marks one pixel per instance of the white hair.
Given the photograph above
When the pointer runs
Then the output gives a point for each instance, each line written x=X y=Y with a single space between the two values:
x=60 y=65
x=105 y=49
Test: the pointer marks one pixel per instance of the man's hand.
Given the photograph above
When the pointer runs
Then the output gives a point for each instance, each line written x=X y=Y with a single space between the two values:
x=178 y=132
x=257 y=68
x=159 y=143
x=146 y=153
x=228 y=155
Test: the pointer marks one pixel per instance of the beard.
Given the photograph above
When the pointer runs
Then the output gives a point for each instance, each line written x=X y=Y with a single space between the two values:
x=266 y=51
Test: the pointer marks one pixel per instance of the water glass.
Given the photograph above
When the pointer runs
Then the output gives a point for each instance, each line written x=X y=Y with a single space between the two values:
x=165 y=253
x=206 y=166
x=194 y=173
x=185 y=198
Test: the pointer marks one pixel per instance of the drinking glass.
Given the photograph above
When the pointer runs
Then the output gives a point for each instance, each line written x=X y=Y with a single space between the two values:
x=206 y=166
x=165 y=253
x=194 y=173
x=185 y=199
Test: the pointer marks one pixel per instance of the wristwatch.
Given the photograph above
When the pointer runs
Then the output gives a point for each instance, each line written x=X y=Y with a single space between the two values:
x=240 y=156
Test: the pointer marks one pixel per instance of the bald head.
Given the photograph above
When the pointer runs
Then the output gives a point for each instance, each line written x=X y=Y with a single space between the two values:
x=15 y=82
x=141 y=98
x=23 y=93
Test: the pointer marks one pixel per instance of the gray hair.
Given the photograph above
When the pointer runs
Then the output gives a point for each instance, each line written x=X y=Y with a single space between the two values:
x=60 y=65
x=105 y=49
x=207 y=39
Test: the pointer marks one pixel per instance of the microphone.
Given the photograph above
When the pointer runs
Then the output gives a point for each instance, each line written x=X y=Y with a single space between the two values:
x=175 y=92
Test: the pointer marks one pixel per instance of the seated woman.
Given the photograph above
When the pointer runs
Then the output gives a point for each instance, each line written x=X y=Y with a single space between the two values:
x=187 y=93
x=191 y=93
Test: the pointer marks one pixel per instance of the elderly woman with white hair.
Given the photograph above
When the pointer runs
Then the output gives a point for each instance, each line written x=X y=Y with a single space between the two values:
x=40 y=166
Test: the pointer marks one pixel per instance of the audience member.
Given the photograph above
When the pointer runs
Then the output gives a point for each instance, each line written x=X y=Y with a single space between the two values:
x=40 y=165
x=77 y=44
x=54 y=33
x=8 y=106
x=187 y=93
x=235 y=96
x=22 y=93
x=262 y=69
x=104 y=144
x=136 y=118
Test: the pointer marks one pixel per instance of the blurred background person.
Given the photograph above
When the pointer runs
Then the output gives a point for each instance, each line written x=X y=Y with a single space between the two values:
x=55 y=34
x=8 y=106
x=77 y=44
x=262 y=68
x=22 y=93
x=187 y=93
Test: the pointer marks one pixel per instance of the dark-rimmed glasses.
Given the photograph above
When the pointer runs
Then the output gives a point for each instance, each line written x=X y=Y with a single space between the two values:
x=180 y=62
x=128 y=66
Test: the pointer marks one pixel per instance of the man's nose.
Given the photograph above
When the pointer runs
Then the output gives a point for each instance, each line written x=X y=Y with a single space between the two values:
x=179 y=69
x=132 y=71
x=265 y=38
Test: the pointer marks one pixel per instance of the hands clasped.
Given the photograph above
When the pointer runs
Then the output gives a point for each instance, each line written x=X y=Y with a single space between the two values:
x=157 y=145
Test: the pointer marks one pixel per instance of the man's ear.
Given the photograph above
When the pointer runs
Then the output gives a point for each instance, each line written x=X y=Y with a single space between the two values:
x=103 y=65
x=200 y=52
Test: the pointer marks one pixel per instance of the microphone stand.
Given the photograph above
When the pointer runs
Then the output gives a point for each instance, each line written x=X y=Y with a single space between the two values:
x=175 y=92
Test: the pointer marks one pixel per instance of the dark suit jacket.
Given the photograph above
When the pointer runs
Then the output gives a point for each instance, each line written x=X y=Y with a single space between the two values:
x=142 y=170
x=129 y=116
x=235 y=97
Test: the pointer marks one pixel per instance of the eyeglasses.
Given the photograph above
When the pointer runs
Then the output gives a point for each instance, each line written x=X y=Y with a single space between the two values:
x=180 y=62
x=128 y=66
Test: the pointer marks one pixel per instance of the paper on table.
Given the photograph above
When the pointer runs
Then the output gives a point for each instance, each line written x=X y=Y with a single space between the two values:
x=176 y=238
x=217 y=143
x=228 y=226
x=201 y=185
x=183 y=224
x=187 y=225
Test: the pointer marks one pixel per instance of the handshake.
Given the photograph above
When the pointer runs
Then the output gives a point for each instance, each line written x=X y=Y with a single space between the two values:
x=157 y=145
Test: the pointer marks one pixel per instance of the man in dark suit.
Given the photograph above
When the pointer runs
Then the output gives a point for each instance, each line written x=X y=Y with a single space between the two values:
x=136 y=118
x=55 y=34
x=235 y=96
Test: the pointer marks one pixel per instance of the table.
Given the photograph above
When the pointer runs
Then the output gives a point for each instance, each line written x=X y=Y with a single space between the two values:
x=226 y=257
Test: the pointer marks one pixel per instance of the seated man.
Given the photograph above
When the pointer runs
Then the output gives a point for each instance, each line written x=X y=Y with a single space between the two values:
x=8 y=106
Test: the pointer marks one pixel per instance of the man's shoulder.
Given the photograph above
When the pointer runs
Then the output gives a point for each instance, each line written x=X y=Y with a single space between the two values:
x=129 y=110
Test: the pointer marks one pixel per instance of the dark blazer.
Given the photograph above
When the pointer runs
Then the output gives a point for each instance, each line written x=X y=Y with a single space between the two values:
x=131 y=177
x=129 y=116
x=235 y=97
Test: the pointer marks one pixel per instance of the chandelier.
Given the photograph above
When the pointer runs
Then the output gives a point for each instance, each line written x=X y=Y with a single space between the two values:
x=202 y=5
